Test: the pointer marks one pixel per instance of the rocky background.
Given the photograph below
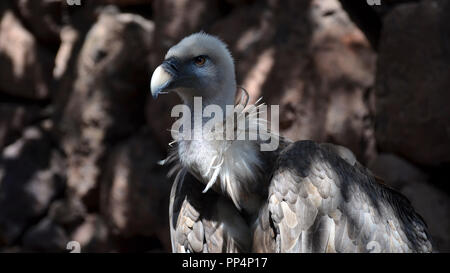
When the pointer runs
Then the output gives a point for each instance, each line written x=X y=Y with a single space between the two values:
x=80 y=136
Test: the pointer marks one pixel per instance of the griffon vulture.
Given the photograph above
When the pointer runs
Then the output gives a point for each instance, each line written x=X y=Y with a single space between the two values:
x=230 y=196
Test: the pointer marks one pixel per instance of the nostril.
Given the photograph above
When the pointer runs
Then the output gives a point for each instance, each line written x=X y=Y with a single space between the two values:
x=173 y=66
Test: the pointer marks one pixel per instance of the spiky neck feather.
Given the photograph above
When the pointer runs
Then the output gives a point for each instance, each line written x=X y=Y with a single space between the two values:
x=231 y=167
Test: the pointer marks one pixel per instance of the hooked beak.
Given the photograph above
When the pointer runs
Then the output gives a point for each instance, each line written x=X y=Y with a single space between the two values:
x=164 y=77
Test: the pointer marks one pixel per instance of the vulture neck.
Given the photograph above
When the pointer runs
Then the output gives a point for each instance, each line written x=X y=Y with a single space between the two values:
x=222 y=99
x=230 y=167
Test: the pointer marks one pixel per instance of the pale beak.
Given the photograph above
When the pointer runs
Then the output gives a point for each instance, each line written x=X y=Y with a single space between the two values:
x=160 y=80
x=163 y=77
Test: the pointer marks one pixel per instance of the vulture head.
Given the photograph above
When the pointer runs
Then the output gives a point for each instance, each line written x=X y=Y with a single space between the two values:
x=199 y=65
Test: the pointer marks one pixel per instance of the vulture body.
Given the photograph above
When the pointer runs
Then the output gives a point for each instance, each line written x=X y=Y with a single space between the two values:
x=229 y=196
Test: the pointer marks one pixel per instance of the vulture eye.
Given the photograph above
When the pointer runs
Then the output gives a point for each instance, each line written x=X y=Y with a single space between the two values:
x=199 y=60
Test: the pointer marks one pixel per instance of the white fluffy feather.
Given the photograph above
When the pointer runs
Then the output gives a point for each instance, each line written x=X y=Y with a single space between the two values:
x=230 y=166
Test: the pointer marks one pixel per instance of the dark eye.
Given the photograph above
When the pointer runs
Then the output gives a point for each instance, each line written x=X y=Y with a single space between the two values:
x=199 y=60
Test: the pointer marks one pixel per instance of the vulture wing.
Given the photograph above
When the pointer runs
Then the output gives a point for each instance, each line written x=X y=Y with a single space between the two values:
x=322 y=200
x=204 y=222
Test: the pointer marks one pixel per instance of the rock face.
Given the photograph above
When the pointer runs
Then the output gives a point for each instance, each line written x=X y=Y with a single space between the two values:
x=43 y=18
x=80 y=136
x=92 y=235
x=412 y=86
x=26 y=66
x=30 y=178
x=106 y=102
x=173 y=22
x=15 y=118
x=46 y=236
x=135 y=191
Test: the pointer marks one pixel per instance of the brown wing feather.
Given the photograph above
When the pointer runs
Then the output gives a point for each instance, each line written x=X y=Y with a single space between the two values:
x=321 y=201
x=204 y=222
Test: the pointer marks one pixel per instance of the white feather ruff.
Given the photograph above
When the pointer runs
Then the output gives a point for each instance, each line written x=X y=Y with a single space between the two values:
x=236 y=164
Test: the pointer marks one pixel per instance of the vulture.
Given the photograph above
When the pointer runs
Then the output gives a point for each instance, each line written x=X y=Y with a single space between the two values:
x=229 y=195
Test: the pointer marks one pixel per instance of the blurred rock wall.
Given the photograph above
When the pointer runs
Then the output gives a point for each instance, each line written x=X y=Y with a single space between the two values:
x=80 y=137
